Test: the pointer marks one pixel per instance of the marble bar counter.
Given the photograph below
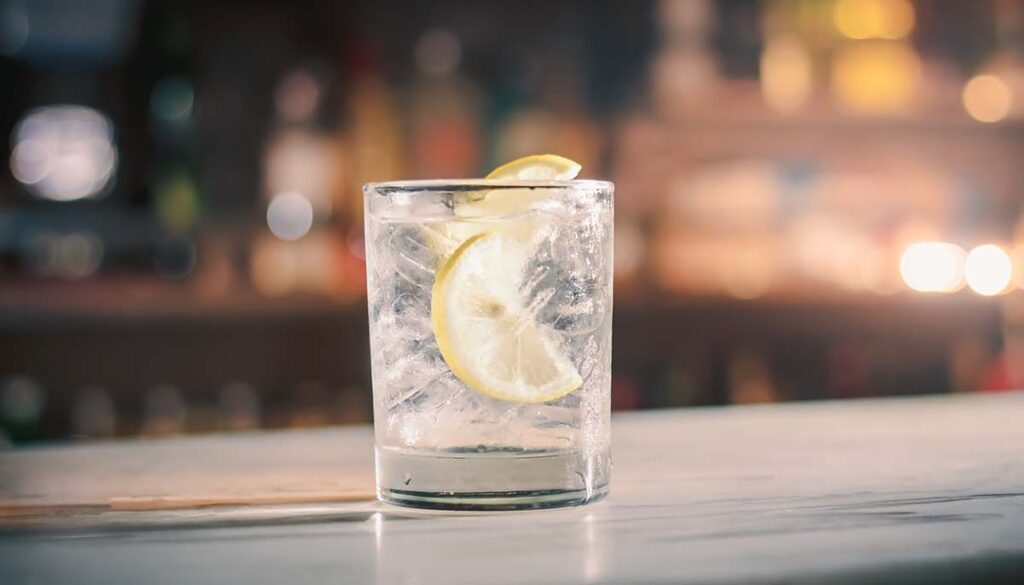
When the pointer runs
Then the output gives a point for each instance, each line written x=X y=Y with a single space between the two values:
x=901 y=490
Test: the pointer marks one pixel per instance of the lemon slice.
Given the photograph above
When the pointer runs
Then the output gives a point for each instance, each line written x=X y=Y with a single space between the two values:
x=486 y=330
x=507 y=203
x=538 y=167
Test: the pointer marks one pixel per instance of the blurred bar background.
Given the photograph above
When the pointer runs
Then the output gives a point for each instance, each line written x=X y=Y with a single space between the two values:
x=815 y=198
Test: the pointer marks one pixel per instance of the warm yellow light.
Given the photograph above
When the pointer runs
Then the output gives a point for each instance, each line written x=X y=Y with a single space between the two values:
x=786 y=76
x=874 y=19
x=933 y=267
x=988 y=270
x=274 y=266
x=900 y=22
x=987 y=98
x=854 y=19
x=876 y=77
x=1017 y=256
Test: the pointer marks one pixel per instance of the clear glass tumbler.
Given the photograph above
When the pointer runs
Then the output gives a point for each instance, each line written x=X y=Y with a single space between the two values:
x=490 y=307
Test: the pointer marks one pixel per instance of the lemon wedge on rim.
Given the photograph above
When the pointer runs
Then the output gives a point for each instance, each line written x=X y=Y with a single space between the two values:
x=507 y=202
x=538 y=167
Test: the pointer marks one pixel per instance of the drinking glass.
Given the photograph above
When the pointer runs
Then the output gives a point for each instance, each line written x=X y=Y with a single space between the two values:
x=463 y=420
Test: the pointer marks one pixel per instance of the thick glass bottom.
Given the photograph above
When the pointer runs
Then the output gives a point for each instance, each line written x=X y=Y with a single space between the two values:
x=491 y=501
x=491 y=478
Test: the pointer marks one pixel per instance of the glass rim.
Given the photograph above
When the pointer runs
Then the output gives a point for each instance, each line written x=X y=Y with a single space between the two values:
x=476 y=184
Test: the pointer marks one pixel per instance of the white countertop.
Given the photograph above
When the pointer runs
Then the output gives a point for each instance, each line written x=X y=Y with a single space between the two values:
x=897 y=490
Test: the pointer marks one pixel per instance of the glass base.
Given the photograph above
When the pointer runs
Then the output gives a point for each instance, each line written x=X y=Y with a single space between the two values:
x=491 y=478
x=491 y=501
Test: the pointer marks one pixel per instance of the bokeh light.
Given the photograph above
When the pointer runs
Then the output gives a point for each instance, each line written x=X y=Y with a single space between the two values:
x=438 y=53
x=63 y=153
x=290 y=215
x=239 y=406
x=274 y=267
x=1017 y=257
x=80 y=255
x=175 y=258
x=73 y=255
x=786 y=74
x=933 y=267
x=301 y=160
x=988 y=270
x=876 y=77
x=355 y=241
x=297 y=96
x=94 y=413
x=172 y=99
x=987 y=98
x=21 y=400
x=878 y=19
x=630 y=246
x=164 y=410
